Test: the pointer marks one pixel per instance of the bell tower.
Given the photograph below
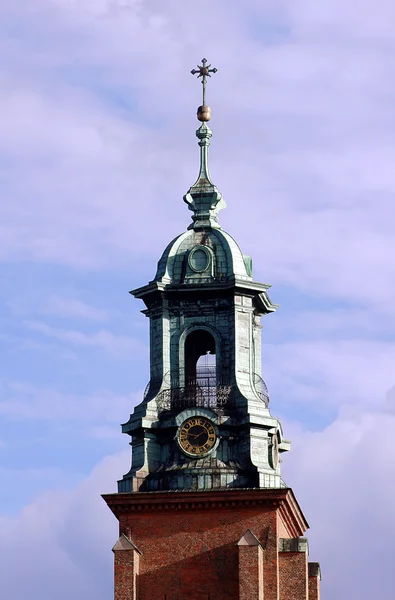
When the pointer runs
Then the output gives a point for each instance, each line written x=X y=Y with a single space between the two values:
x=205 y=446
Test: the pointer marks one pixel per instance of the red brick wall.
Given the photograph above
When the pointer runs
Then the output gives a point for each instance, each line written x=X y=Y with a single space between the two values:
x=314 y=580
x=193 y=553
x=250 y=573
x=314 y=588
x=282 y=528
x=126 y=569
x=293 y=576
x=188 y=545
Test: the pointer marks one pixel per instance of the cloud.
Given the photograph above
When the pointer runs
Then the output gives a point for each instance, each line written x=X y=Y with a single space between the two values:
x=317 y=21
x=323 y=376
x=323 y=110
x=100 y=432
x=68 y=307
x=30 y=401
x=104 y=339
x=341 y=477
x=24 y=483
x=74 y=531
x=57 y=306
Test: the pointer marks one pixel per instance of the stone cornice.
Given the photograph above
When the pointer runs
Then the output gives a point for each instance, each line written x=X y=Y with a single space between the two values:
x=242 y=285
x=293 y=516
x=278 y=499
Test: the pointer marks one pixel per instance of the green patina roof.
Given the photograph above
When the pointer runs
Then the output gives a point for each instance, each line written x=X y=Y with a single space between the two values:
x=203 y=197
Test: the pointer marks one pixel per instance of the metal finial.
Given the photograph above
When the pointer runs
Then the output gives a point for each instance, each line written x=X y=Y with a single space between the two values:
x=204 y=70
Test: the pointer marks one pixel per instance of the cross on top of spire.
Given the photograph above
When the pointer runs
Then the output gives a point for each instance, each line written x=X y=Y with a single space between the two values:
x=203 y=198
x=204 y=70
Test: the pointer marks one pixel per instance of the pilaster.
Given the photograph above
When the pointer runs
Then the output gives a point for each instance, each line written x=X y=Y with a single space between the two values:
x=293 y=555
x=250 y=567
x=314 y=580
x=126 y=569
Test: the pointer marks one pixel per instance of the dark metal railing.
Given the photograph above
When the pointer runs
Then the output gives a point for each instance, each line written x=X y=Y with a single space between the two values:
x=206 y=389
x=195 y=396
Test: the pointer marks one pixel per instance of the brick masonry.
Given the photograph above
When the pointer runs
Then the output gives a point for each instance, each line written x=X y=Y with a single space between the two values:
x=314 y=580
x=251 y=553
x=200 y=546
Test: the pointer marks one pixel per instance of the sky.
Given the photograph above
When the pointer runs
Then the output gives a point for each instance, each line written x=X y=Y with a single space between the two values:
x=97 y=148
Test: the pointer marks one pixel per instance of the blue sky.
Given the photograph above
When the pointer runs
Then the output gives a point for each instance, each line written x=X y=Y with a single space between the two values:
x=97 y=149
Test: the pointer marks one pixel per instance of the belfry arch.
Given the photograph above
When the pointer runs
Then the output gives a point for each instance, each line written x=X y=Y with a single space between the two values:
x=198 y=343
x=194 y=343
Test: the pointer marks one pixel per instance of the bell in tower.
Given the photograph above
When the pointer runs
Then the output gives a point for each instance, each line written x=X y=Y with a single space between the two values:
x=205 y=446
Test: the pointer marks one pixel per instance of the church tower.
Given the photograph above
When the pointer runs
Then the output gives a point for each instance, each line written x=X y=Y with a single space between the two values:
x=203 y=512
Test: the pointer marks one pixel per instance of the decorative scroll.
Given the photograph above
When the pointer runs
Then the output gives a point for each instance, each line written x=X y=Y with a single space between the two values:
x=261 y=389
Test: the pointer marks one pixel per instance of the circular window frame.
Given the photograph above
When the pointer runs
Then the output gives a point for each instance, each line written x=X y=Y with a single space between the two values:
x=208 y=257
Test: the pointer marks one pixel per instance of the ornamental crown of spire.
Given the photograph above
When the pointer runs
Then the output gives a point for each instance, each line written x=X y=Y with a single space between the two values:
x=203 y=197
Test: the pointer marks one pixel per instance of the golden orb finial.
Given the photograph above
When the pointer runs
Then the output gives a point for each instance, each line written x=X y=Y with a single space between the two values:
x=204 y=113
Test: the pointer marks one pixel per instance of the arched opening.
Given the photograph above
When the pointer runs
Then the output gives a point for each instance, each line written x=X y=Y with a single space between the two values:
x=200 y=359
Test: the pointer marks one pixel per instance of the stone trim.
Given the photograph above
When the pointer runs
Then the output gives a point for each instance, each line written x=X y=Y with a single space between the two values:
x=124 y=543
x=314 y=569
x=293 y=517
x=249 y=539
x=293 y=545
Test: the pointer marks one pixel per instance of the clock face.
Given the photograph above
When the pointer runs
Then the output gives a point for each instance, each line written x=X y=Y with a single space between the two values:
x=197 y=436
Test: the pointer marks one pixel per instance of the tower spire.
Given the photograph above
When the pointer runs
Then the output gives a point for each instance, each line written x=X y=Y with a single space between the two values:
x=203 y=198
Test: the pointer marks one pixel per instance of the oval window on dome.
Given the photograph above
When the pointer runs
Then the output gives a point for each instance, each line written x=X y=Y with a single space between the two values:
x=199 y=259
